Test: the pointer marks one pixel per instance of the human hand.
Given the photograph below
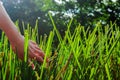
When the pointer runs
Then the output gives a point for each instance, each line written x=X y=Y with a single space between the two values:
x=34 y=52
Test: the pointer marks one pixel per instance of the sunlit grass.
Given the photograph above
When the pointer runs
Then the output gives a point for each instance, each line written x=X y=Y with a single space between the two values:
x=82 y=55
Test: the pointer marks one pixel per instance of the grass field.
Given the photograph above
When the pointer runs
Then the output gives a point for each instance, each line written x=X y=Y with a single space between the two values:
x=81 y=55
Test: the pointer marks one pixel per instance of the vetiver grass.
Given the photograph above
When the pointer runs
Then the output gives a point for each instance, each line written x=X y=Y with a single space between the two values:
x=81 y=55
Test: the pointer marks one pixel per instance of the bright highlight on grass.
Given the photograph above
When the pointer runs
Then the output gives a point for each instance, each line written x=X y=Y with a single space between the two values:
x=81 y=55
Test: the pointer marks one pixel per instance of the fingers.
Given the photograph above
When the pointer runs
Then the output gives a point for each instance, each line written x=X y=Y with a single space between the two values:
x=32 y=42
x=39 y=58
x=40 y=53
x=31 y=64
x=35 y=49
x=35 y=45
x=34 y=55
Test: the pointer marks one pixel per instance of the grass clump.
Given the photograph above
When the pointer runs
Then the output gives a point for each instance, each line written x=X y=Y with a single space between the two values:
x=81 y=55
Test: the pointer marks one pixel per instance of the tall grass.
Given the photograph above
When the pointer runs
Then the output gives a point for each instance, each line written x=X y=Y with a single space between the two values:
x=82 y=55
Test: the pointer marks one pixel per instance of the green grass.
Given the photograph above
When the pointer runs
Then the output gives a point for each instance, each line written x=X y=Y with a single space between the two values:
x=81 y=55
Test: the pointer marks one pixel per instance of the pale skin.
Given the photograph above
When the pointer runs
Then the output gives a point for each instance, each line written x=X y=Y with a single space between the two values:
x=17 y=40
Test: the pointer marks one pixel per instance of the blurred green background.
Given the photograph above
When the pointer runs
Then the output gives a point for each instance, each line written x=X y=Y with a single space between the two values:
x=85 y=12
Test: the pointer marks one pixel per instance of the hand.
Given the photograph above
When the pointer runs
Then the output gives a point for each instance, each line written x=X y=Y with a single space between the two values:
x=34 y=52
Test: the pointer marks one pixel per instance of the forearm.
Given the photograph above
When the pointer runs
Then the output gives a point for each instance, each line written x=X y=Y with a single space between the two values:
x=4 y=18
x=8 y=26
x=12 y=33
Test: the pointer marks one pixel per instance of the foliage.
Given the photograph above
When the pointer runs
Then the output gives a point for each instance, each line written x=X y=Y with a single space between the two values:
x=84 y=12
x=88 y=12
x=83 y=54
